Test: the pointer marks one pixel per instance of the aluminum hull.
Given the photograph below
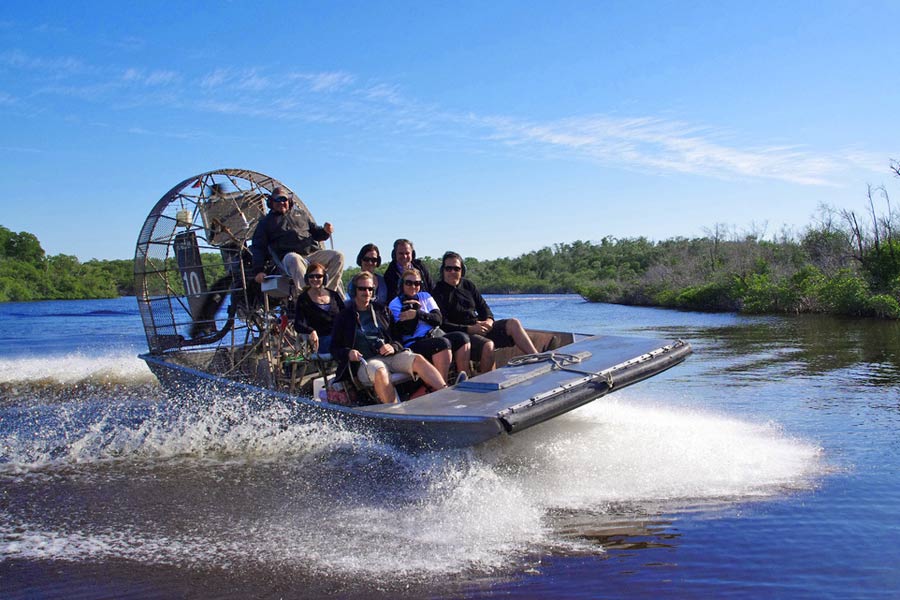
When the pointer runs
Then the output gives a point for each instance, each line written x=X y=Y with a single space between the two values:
x=502 y=402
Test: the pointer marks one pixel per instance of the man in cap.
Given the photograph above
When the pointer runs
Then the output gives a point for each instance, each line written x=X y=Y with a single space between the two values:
x=289 y=231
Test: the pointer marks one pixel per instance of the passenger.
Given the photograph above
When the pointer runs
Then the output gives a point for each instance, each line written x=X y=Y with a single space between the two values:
x=464 y=309
x=289 y=232
x=403 y=257
x=362 y=331
x=368 y=259
x=317 y=308
x=417 y=320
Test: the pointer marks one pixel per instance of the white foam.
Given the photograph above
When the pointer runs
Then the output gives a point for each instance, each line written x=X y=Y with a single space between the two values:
x=116 y=367
x=356 y=507
x=616 y=452
x=75 y=433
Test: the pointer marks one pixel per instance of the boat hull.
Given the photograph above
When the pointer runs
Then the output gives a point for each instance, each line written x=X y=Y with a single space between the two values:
x=502 y=402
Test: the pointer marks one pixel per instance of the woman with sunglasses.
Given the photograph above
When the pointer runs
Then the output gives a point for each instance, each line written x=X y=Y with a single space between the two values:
x=369 y=259
x=317 y=307
x=362 y=341
x=416 y=321
x=464 y=309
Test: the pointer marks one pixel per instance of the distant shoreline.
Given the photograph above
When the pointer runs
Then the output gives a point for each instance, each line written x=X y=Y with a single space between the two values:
x=827 y=270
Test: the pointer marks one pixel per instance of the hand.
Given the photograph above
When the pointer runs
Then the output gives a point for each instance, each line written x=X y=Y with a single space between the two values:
x=480 y=327
x=329 y=228
x=354 y=356
x=259 y=277
x=314 y=340
x=386 y=350
x=406 y=315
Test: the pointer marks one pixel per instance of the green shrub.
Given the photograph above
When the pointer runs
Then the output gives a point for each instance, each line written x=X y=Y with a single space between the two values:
x=759 y=295
x=845 y=294
x=601 y=291
x=714 y=296
x=884 y=306
x=882 y=264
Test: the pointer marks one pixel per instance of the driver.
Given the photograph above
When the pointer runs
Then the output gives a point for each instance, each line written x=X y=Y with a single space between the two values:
x=289 y=231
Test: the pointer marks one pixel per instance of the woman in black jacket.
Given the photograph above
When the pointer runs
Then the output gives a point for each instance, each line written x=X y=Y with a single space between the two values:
x=317 y=308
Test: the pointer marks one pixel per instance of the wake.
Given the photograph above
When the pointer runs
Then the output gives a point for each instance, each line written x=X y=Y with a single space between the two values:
x=342 y=503
x=116 y=368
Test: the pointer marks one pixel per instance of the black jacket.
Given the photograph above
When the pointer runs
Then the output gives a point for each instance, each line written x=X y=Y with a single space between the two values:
x=310 y=317
x=294 y=231
x=461 y=306
x=343 y=336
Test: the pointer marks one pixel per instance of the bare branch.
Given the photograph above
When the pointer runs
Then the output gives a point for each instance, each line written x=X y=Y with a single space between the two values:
x=855 y=232
x=874 y=216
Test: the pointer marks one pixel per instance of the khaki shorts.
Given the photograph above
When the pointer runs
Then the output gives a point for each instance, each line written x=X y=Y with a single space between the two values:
x=400 y=362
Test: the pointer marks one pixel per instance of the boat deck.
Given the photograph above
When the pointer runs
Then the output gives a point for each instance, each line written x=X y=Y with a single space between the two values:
x=605 y=362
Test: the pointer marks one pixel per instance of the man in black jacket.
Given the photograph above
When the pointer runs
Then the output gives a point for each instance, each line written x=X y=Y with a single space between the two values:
x=464 y=309
x=290 y=232
x=403 y=257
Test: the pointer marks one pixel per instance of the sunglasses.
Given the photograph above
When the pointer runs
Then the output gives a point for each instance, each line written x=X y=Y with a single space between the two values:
x=361 y=288
x=452 y=268
x=314 y=276
x=410 y=282
x=369 y=259
x=279 y=199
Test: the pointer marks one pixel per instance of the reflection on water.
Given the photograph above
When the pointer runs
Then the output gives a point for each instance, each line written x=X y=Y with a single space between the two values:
x=807 y=346
x=617 y=531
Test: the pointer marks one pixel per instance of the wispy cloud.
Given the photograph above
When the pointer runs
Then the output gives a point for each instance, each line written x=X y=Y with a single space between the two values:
x=326 y=82
x=661 y=145
x=152 y=78
x=650 y=143
x=59 y=66
x=237 y=79
x=257 y=79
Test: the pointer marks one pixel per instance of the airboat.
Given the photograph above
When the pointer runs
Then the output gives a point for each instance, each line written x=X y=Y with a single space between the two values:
x=208 y=324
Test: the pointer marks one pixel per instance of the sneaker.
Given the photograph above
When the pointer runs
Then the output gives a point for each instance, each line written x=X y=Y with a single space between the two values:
x=461 y=377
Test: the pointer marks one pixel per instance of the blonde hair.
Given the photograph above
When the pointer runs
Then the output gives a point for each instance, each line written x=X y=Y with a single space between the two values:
x=411 y=272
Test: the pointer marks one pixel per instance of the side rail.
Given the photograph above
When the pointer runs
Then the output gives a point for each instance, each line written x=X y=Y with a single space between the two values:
x=590 y=386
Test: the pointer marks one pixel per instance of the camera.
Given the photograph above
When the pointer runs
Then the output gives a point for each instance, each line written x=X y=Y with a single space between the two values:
x=410 y=306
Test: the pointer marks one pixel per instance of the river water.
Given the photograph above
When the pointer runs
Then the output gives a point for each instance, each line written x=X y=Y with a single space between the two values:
x=764 y=466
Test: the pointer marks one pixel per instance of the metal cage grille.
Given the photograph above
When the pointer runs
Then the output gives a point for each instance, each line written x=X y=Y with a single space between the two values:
x=192 y=254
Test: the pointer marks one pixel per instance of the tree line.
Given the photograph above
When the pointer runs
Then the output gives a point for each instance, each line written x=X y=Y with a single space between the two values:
x=844 y=263
x=27 y=273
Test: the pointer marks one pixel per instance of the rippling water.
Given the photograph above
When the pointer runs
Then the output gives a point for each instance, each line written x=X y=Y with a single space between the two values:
x=765 y=466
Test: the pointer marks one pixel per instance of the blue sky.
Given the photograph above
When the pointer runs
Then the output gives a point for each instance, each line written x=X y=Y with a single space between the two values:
x=492 y=128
